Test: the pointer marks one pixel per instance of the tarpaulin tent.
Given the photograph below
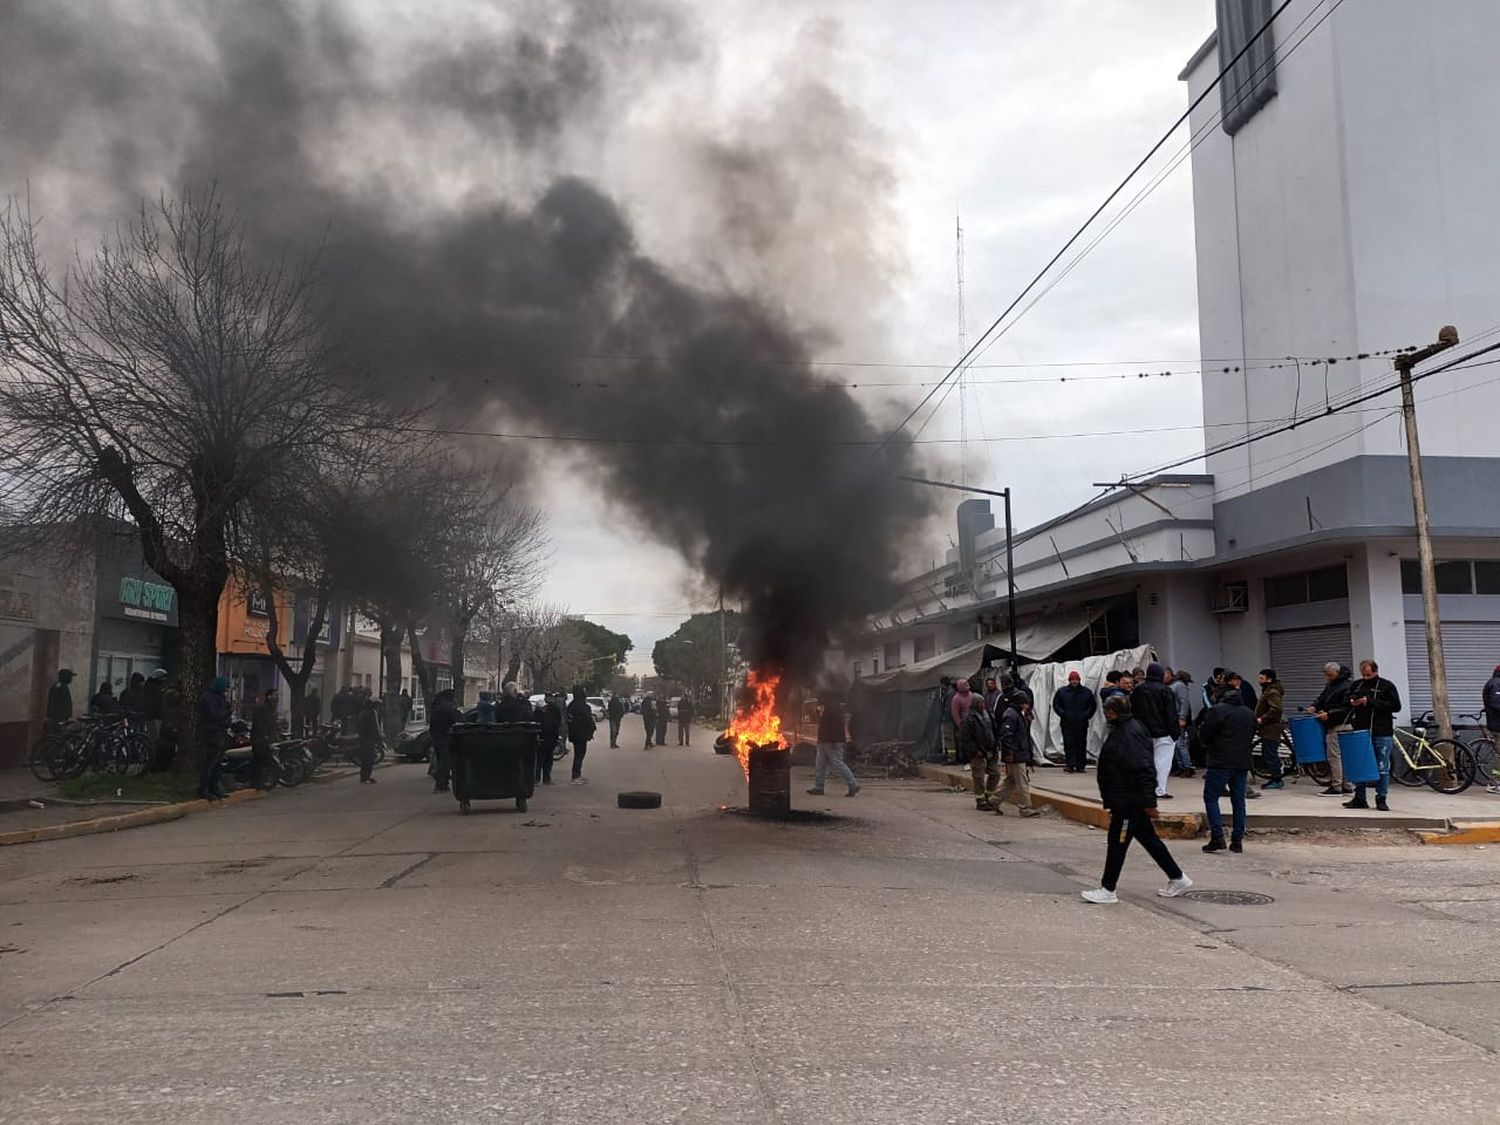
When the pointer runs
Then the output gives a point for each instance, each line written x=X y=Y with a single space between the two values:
x=1045 y=679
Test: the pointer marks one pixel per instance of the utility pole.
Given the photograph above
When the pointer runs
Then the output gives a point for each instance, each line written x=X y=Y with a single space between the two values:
x=723 y=660
x=1436 y=664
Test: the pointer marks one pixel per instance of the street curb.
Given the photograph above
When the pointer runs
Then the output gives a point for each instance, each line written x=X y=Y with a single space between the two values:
x=1485 y=833
x=158 y=815
x=1169 y=826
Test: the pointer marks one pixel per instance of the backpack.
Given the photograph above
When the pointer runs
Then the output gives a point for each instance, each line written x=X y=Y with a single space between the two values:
x=978 y=730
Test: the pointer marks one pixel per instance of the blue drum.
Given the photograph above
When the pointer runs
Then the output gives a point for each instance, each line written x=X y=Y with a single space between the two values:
x=1358 y=751
x=1307 y=740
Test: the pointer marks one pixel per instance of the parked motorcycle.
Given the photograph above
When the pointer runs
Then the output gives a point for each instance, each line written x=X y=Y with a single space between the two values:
x=239 y=759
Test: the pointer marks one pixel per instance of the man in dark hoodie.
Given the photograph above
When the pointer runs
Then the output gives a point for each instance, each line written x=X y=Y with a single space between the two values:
x=1017 y=753
x=648 y=718
x=1155 y=708
x=440 y=725
x=1074 y=705
x=1227 y=734
x=1126 y=772
x=1332 y=710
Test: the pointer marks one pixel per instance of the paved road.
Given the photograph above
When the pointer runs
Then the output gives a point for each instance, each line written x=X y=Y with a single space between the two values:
x=364 y=954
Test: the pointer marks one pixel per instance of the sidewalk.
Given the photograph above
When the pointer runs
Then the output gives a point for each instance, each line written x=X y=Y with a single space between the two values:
x=1296 y=806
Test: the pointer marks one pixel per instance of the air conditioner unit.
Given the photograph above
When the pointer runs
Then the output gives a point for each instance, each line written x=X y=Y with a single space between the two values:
x=1232 y=597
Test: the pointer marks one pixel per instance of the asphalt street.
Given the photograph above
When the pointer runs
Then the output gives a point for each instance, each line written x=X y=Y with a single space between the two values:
x=347 y=953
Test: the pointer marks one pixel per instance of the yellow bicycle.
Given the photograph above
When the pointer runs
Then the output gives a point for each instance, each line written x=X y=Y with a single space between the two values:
x=1443 y=763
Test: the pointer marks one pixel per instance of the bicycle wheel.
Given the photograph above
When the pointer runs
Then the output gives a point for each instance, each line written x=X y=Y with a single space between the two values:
x=69 y=759
x=1401 y=769
x=43 y=751
x=1456 y=772
x=1483 y=750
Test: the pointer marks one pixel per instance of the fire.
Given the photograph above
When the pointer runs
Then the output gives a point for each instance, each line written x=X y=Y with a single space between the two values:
x=755 y=721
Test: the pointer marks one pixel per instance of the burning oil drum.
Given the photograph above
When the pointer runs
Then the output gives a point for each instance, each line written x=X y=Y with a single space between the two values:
x=770 y=776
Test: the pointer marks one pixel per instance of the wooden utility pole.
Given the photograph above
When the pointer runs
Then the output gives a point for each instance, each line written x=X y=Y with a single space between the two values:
x=1437 y=665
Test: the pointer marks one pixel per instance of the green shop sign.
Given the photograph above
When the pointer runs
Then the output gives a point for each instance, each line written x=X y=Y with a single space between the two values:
x=150 y=600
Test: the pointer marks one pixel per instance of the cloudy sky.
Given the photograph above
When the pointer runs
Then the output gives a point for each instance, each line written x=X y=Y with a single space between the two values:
x=1019 y=116
x=810 y=156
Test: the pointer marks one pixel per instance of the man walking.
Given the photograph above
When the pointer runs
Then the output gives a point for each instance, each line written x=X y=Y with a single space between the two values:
x=984 y=755
x=550 y=719
x=832 y=735
x=1074 y=705
x=1227 y=732
x=1155 y=707
x=60 y=702
x=1269 y=723
x=1017 y=752
x=685 y=721
x=648 y=717
x=1373 y=703
x=615 y=712
x=581 y=728
x=1332 y=709
x=440 y=731
x=262 y=733
x=214 y=715
x=1126 y=772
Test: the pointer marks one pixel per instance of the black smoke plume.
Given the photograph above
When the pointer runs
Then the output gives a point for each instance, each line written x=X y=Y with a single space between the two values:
x=475 y=261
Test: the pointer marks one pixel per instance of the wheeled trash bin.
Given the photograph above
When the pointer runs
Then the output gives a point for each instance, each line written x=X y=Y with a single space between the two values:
x=494 y=762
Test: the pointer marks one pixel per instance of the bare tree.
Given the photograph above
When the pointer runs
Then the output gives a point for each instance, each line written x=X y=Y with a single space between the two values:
x=169 y=380
x=541 y=639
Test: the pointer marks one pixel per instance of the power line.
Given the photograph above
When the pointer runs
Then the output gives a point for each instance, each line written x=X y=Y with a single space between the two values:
x=1110 y=198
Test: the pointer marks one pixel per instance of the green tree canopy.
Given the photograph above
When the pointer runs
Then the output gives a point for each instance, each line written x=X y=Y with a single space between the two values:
x=691 y=655
x=604 y=649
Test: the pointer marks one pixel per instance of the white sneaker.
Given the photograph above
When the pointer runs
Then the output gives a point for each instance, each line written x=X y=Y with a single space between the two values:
x=1099 y=896
x=1175 y=887
x=1492 y=788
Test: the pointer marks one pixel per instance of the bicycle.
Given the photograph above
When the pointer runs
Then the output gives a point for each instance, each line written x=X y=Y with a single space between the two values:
x=1445 y=764
x=1291 y=769
x=1482 y=745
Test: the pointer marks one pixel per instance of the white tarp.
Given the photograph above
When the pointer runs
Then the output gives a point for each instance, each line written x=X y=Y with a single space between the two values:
x=1045 y=679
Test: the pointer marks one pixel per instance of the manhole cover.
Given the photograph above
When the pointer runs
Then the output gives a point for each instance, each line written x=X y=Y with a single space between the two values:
x=1229 y=898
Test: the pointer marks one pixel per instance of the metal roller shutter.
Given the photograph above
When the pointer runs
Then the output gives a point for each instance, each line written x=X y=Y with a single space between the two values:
x=1471 y=650
x=1298 y=655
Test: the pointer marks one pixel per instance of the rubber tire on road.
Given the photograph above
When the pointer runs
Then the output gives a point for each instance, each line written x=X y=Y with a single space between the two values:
x=639 y=799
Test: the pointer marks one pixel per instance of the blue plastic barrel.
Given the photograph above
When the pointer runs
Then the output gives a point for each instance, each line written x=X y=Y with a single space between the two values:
x=1307 y=740
x=1358 y=752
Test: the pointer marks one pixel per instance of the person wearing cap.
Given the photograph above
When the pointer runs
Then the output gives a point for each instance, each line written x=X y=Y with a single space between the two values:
x=60 y=702
x=1491 y=703
x=1074 y=705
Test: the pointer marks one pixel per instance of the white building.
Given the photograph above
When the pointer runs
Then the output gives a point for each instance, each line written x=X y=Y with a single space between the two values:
x=1351 y=210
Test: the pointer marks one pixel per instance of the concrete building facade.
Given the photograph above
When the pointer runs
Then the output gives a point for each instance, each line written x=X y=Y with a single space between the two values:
x=1341 y=209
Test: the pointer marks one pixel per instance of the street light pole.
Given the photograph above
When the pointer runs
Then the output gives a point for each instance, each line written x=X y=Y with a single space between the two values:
x=1437 y=665
x=1010 y=570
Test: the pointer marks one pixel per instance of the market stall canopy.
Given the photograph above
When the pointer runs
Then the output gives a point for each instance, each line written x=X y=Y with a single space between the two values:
x=1036 y=640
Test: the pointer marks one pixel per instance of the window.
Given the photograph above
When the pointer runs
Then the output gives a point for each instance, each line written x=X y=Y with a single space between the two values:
x=1286 y=589
x=892 y=654
x=926 y=649
x=1454 y=577
x=1486 y=577
x=1411 y=576
x=1325 y=585
x=1251 y=81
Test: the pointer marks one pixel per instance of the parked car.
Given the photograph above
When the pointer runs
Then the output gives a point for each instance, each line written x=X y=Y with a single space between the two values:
x=596 y=705
x=415 y=745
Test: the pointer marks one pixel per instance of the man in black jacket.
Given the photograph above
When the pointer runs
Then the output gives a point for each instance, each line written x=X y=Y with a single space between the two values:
x=1126 y=772
x=1373 y=703
x=1155 y=708
x=214 y=715
x=60 y=702
x=1332 y=709
x=833 y=733
x=648 y=717
x=685 y=721
x=1017 y=752
x=440 y=731
x=1227 y=734
x=367 y=726
x=615 y=711
x=263 y=730
x=1074 y=705
x=984 y=755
